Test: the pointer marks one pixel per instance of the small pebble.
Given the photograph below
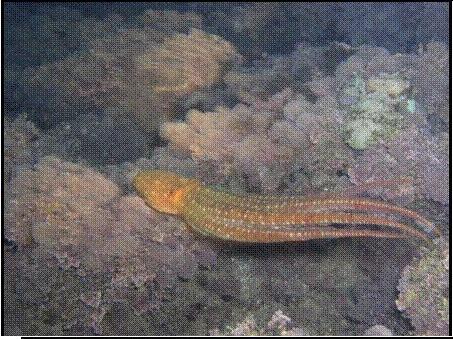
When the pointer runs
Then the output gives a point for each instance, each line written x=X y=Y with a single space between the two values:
x=378 y=330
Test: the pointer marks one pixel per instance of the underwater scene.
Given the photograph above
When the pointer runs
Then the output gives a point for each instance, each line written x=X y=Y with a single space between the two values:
x=226 y=168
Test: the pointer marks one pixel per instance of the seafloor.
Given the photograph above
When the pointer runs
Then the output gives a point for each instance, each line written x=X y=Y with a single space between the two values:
x=266 y=98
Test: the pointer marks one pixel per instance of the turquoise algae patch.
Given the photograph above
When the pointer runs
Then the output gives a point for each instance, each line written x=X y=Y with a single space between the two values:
x=374 y=109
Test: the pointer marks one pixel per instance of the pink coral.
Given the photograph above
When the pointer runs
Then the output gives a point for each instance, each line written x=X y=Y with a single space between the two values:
x=82 y=221
x=233 y=140
x=185 y=62
x=424 y=295
x=171 y=21
x=19 y=149
x=411 y=154
x=263 y=140
x=137 y=73
x=430 y=76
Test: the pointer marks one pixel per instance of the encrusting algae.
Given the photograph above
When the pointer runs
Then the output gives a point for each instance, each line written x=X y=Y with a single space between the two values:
x=271 y=219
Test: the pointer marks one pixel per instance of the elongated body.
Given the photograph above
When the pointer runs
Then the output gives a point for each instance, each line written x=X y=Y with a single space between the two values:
x=269 y=219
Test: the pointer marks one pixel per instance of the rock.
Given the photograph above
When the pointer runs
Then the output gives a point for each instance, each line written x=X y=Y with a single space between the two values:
x=378 y=330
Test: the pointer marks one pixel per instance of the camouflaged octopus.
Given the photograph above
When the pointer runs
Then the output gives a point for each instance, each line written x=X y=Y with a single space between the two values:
x=272 y=219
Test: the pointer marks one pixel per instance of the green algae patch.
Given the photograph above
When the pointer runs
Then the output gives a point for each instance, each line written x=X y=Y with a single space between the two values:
x=375 y=109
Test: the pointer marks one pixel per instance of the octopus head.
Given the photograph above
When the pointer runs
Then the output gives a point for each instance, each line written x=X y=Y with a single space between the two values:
x=163 y=191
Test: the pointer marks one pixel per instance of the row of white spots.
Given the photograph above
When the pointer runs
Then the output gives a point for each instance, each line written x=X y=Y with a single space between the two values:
x=258 y=202
x=208 y=203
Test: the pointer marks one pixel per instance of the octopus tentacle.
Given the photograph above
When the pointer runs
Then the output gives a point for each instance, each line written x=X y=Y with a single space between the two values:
x=291 y=221
x=287 y=206
x=227 y=231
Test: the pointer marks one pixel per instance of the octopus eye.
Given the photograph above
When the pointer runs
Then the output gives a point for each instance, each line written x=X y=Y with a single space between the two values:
x=171 y=193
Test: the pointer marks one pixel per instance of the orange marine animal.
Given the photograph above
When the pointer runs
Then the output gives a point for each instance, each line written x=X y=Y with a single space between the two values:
x=272 y=219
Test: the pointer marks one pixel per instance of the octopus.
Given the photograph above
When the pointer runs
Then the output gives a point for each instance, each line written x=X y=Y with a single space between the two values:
x=254 y=218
